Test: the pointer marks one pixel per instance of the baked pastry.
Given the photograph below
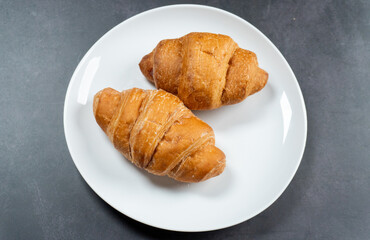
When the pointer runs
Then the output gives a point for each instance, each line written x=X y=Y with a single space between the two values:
x=155 y=131
x=204 y=70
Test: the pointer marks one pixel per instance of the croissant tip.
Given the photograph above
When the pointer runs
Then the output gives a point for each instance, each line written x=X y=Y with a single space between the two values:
x=146 y=66
x=261 y=80
x=96 y=101
x=265 y=77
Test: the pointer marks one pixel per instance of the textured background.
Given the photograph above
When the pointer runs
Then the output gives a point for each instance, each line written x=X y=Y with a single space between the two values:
x=42 y=195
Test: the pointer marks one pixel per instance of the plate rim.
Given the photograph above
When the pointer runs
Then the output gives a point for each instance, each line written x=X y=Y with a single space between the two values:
x=203 y=7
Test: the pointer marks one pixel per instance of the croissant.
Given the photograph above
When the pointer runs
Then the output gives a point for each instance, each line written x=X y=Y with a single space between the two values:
x=204 y=70
x=155 y=131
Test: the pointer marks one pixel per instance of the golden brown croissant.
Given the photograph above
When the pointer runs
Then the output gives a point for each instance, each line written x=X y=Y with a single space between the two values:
x=155 y=131
x=204 y=70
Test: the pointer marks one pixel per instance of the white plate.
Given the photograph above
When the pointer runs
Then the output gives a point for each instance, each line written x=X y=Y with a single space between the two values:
x=263 y=137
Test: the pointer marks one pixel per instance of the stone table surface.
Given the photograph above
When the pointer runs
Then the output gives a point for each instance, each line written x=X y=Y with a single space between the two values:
x=43 y=196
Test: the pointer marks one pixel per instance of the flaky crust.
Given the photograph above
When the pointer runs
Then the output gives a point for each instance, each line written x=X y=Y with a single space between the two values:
x=204 y=70
x=155 y=131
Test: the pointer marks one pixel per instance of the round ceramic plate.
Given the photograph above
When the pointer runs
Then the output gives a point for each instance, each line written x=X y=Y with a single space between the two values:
x=263 y=137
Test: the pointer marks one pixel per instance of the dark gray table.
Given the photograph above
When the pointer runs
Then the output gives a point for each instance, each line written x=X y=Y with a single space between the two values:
x=42 y=195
